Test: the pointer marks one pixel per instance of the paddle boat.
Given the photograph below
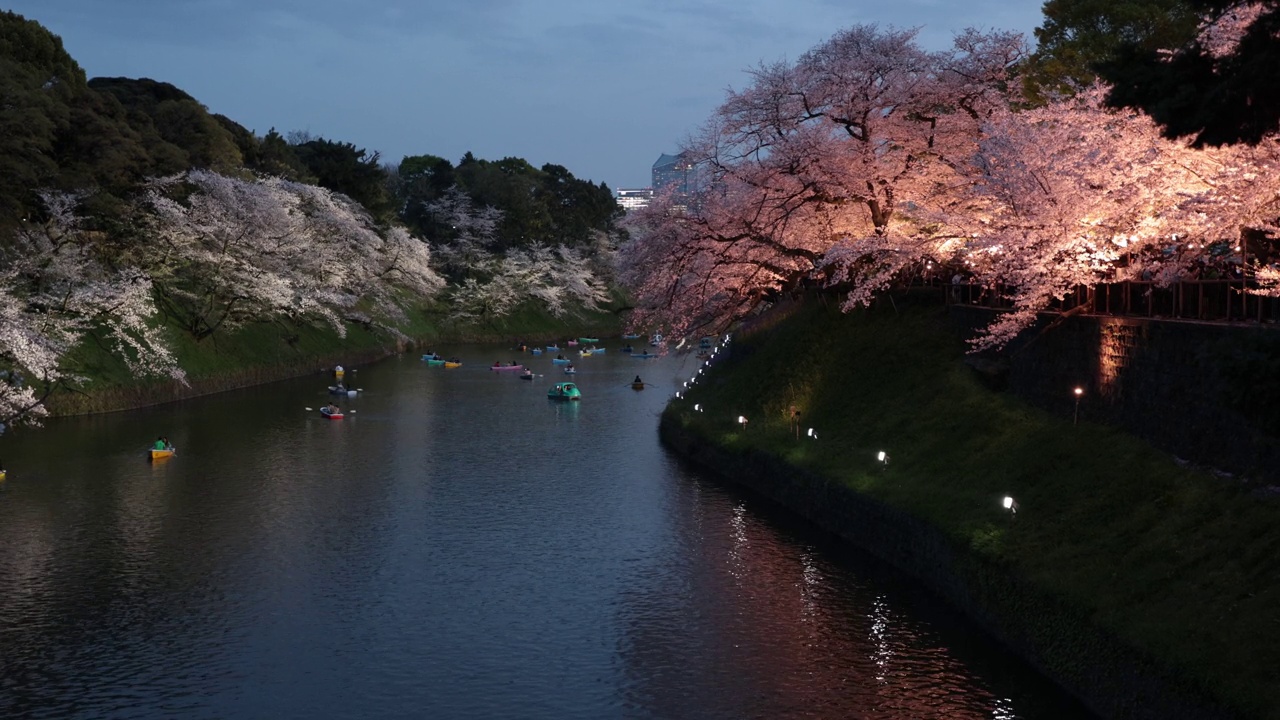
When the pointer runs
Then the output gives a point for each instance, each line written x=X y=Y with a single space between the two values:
x=431 y=356
x=570 y=369
x=588 y=340
x=340 y=390
x=453 y=363
x=644 y=355
x=564 y=391
x=584 y=353
x=561 y=361
x=329 y=414
x=553 y=348
x=513 y=367
x=572 y=343
x=435 y=362
x=536 y=351
x=527 y=375
x=630 y=336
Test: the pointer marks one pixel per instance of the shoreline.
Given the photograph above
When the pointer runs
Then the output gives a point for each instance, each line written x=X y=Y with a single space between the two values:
x=1112 y=678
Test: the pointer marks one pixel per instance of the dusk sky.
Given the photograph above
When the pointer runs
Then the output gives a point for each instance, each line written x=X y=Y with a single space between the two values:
x=597 y=86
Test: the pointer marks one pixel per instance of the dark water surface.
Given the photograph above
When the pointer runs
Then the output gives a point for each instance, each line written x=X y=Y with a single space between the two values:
x=459 y=547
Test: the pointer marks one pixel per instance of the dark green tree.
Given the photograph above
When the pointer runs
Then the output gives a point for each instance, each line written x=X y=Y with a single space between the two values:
x=178 y=132
x=1201 y=91
x=344 y=168
x=38 y=85
x=1079 y=37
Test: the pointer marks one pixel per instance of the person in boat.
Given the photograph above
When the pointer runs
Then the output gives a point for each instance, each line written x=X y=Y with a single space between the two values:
x=332 y=409
x=559 y=357
x=515 y=364
x=637 y=381
x=527 y=373
x=160 y=444
x=497 y=363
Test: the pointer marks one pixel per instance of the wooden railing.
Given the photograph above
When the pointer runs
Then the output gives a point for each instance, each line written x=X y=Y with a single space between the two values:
x=1223 y=300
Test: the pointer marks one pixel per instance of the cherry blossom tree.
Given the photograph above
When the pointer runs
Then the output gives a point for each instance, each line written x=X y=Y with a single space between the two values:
x=232 y=251
x=820 y=170
x=1075 y=193
x=560 y=278
x=56 y=291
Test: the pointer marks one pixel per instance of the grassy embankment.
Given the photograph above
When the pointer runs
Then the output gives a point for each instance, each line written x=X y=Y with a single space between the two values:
x=1179 y=564
x=264 y=352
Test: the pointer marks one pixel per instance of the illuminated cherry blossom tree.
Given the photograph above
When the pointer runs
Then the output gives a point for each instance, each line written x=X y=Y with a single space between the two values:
x=55 y=292
x=820 y=170
x=1074 y=193
x=233 y=250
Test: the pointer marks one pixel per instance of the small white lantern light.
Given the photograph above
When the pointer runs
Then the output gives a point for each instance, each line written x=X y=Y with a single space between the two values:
x=697 y=406
x=1010 y=504
x=742 y=420
x=883 y=457
x=813 y=434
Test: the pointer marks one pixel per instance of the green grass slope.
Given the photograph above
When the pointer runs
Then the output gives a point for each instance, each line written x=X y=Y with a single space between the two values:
x=1180 y=564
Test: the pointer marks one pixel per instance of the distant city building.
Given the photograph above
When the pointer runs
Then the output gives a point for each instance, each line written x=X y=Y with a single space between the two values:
x=675 y=172
x=632 y=198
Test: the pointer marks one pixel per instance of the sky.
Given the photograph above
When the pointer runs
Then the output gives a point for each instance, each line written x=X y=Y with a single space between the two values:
x=599 y=86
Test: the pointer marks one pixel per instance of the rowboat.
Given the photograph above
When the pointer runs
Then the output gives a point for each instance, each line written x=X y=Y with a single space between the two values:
x=584 y=353
x=627 y=349
x=162 y=454
x=431 y=356
x=528 y=375
x=570 y=370
x=643 y=355
x=564 y=391
x=553 y=348
x=571 y=343
x=561 y=361
x=506 y=368
x=588 y=340
x=435 y=362
x=637 y=386
x=324 y=413
x=536 y=351
x=2 y=475
x=452 y=364
x=630 y=336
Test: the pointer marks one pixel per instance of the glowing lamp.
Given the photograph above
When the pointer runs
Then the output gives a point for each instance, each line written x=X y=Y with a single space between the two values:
x=882 y=456
x=813 y=434
x=742 y=420
x=1010 y=504
x=1079 y=392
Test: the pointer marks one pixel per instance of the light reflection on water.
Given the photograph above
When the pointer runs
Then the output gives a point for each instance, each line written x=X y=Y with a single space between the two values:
x=460 y=546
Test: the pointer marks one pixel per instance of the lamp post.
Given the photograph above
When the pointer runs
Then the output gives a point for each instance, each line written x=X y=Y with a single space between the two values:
x=1076 y=420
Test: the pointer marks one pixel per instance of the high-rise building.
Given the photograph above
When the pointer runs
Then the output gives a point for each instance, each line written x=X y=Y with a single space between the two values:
x=675 y=172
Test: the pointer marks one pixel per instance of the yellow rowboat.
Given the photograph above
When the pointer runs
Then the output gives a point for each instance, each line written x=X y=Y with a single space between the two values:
x=2 y=474
x=161 y=454
x=449 y=364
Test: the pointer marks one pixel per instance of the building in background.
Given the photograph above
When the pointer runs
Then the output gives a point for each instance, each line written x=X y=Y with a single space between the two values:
x=674 y=172
x=632 y=198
